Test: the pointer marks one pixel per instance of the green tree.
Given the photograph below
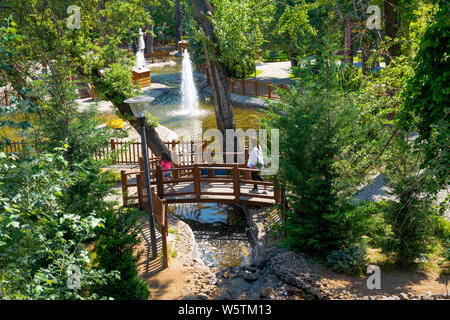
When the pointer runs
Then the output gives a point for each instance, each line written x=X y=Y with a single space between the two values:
x=315 y=125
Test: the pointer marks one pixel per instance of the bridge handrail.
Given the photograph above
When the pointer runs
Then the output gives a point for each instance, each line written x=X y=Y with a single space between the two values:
x=196 y=178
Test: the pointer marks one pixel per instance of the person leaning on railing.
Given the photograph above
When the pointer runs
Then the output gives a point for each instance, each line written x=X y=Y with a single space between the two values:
x=166 y=165
x=255 y=161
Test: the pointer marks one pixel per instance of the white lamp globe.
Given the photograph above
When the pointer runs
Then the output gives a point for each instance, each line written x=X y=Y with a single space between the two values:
x=140 y=105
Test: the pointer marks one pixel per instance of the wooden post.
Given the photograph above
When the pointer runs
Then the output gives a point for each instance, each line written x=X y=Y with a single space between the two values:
x=236 y=183
x=113 y=148
x=232 y=85
x=277 y=194
x=269 y=90
x=124 y=182
x=164 y=246
x=159 y=182
x=197 y=187
x=141 y=164
x=210 y=173
x=243 y=87
x=255 y=84
x=246 y=173
x=140 y=192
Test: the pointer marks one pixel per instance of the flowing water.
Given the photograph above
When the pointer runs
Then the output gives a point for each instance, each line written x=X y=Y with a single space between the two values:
x=167 y=108
x=189 y=97
x=221 y=232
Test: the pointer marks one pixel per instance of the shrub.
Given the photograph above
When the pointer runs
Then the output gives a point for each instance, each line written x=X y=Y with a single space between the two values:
x=445 y=254
x=441 y=228
x=115 y=251
x=116 y=84
x=363 y=219
x=351 y=261
x=412 y=226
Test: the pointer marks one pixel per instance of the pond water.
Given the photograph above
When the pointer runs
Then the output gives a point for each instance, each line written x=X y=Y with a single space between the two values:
x=221 y=232
x=166 y=107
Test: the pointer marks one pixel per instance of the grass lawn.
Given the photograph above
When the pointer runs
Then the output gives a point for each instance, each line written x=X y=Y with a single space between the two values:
x=253 y=74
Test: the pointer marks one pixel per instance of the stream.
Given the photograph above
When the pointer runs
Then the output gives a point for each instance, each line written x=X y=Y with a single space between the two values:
x=221 y=232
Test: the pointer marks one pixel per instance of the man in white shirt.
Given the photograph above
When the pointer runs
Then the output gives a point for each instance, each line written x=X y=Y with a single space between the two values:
x=255 y=161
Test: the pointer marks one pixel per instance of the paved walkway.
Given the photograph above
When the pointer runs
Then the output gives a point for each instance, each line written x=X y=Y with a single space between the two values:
x=155 y=90
x=274 y=72
x=244 y=100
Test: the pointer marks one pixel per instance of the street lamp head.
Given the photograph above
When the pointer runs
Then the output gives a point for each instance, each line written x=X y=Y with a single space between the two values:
x=140 y=105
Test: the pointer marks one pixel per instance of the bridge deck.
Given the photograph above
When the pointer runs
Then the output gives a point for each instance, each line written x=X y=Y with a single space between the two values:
x=218 y=188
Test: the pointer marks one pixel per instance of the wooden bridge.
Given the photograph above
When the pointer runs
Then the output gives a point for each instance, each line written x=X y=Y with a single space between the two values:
x=196 y=182
x=223 y=183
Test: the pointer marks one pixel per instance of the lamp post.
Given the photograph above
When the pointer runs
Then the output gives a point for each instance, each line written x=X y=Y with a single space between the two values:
x=140 y=105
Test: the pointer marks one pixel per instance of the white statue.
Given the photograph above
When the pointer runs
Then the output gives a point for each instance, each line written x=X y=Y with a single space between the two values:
x=140 y=58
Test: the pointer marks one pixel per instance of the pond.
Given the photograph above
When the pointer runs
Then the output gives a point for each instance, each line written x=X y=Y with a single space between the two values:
x=220 y=230
x=166 y=107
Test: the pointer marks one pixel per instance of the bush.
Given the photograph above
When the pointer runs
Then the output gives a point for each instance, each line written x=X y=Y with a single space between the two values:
x=445 y=254
x=412 y=225
x=116 y=84
x=363 y=219
x=351 y=261
x=441 y=228
x=115 y=251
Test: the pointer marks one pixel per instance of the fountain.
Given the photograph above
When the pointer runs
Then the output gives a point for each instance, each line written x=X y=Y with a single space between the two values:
x=189 y=100
x=141 y=74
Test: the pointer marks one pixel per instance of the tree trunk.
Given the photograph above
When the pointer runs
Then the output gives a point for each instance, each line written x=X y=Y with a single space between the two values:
x=149 y=38
x=391 y=27
x=293 y=58
x=217 y=73
x=177 y=22
x=348 y=42
x=364 y=58
x=154 y=142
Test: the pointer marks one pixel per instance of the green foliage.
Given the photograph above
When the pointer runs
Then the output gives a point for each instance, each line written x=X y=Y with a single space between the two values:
x=365 y=219
x=115 y=251
x=411 y=223
x=441 y=228
x=427 y=95
x=348 y=78
x=238 y=29
x=52 y=200
x=314 y=124
x=117 y=83
x=445 y=254
x=351 y=261
x=39 y=239
x=275 y=55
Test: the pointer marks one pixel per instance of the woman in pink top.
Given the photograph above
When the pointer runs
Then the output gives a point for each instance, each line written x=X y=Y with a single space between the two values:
x=166 y=165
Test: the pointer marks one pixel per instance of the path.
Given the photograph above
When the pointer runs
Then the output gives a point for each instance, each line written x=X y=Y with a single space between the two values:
x=155 y=90
x=243 y=100
x=274 y=72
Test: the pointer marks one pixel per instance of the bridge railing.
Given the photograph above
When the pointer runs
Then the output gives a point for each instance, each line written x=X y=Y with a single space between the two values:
x=159 y=212
x=130 y=152
x=234 y=174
